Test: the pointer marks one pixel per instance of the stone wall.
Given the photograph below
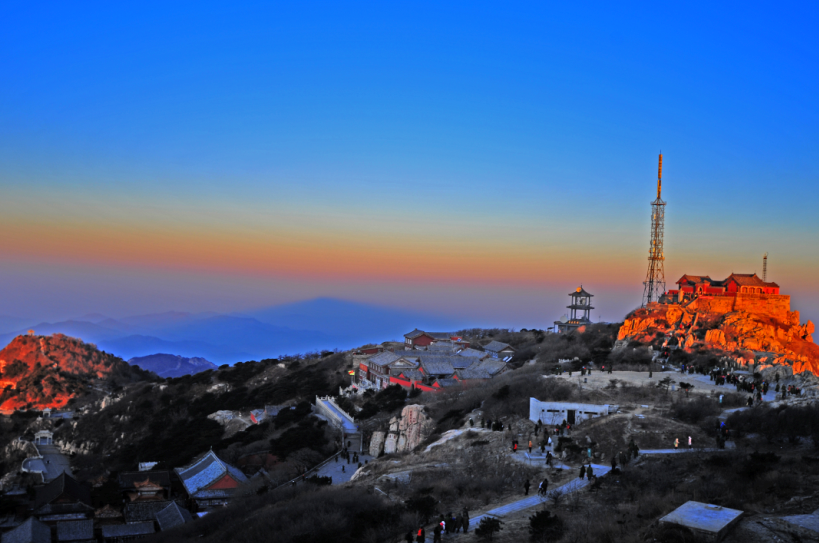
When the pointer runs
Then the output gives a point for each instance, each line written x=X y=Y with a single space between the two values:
x=777 y=306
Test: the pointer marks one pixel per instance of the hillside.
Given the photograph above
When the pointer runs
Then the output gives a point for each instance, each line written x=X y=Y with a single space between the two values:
x=172 y=365
x=48 y=371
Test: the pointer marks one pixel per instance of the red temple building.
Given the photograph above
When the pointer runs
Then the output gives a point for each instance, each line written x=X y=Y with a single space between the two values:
x=736 y=283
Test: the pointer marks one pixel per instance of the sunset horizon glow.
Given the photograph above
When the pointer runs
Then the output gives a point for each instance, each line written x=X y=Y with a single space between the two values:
x=472 y=160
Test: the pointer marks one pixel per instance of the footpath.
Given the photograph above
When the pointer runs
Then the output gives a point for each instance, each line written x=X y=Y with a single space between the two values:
x=530 y=501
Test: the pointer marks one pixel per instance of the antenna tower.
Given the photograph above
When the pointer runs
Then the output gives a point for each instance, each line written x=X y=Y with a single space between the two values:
x=765 y=268
x=654 y=285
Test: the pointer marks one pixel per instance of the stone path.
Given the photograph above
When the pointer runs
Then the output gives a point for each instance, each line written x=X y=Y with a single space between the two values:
x=333 y=469
x=52 y=463
x=728 y=446
x=531 y=501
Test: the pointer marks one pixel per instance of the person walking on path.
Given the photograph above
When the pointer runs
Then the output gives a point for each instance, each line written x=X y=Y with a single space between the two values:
x=589 y=472
x=420 y=535
x=689 y=442
x=436 y=534
x=408 y=538
x=613 y=462
x=582 y=471
x=466 y=520
x=526 y=488
x=530 y=446
x=459 y=523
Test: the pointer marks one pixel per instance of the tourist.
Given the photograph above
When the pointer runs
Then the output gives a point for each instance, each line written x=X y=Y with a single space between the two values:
x=613 y=462
x=582 y=471
x=589 y=472
x=526 y=488
x=466 y=520
x=436 y=533
x=677 y=443
x=459 y=523
x=689 y=442
x=421 y=535
x=530 y=446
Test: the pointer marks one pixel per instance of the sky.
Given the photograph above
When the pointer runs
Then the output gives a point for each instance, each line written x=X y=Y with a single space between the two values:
x=476 y=159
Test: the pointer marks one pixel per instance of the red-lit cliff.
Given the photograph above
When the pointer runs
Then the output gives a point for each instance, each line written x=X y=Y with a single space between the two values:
x=47 y=371
x=744 y=326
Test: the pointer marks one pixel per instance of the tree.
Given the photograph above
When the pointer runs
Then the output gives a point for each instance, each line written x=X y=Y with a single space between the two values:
x=686 y=387
x=488 y=527
x=665 y=383
x=543 y=526
x=424 y=506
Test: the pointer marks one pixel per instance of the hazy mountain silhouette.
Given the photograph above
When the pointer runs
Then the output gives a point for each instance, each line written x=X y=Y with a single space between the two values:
x=353 y=322
x=322 y=323
x=171 y=365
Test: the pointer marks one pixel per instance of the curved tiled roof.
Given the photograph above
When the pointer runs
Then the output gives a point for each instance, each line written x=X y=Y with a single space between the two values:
x=31 y=531
x=382 y=359
x=205 y=471
x=63 y=484
x=75 y=530
x=128 y=530
x=172 y=516
x=497 y=346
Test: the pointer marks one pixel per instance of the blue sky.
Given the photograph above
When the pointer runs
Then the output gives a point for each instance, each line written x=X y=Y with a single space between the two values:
x=525 y=131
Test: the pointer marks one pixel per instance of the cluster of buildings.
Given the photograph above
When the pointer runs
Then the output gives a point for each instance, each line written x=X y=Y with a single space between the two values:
x=429 y=361
x=67 y=511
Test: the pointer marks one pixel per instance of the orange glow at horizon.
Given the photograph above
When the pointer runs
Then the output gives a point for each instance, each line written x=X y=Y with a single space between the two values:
x=304 y=254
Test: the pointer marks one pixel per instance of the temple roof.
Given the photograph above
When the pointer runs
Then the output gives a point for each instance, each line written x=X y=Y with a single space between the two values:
x=31 y=531
x=63 y=484
x=172 y=516
x=496 y=346
x=382 y=359
x=695 y=279
x=75 y=530
x=749 y=280
x=205 y=471
x=580 y=292
x=129 y=479
x=128 y=530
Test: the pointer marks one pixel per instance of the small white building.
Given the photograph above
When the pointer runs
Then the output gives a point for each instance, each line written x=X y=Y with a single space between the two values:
x=553 y=413
x=43 y=437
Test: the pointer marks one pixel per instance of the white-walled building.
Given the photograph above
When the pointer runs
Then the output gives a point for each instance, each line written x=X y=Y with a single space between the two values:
x=553 y=413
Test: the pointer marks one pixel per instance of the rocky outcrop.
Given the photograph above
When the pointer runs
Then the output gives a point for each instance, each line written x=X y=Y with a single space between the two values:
x=47 y=371
x=405 y=432
x=772 y=333
x=377 y=444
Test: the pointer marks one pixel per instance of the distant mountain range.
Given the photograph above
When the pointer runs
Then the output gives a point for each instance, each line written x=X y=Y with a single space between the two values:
x=269 y=332
x=172 y=365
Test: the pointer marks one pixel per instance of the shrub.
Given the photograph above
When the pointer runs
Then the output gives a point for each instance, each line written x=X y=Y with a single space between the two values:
x=543 y=526
x=488 y=527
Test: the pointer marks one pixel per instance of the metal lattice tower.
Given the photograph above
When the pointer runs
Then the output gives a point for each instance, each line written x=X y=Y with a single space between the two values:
x=654 y=285
x=765 y=268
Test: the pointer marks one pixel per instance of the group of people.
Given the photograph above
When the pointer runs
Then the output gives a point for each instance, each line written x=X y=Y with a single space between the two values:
x=446 y=524
x=542 y=487
x=352 y=458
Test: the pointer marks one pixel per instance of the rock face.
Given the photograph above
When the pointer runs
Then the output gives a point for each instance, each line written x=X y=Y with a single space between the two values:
x=47 y=371
x=405 y=432
x=760 y=329
x=377 y=444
